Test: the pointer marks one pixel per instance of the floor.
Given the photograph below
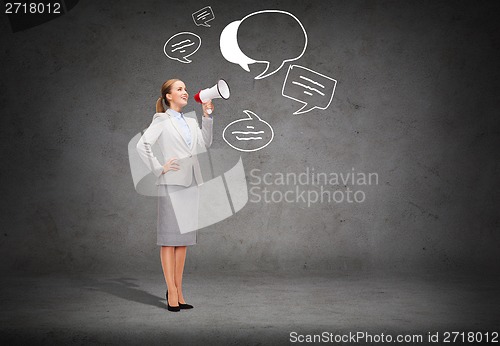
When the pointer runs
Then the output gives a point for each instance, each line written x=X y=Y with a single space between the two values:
x=245 y=308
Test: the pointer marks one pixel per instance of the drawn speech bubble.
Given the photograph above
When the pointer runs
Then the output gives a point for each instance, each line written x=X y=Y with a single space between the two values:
x=201 y=17
x=311 y=88
x=271 y=37
x=182 y=45
x=248 y=134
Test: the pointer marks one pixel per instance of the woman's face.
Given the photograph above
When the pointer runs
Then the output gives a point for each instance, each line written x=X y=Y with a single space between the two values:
x=178 y=96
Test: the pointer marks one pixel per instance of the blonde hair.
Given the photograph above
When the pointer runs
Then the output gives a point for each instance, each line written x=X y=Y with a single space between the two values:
x=165 y=89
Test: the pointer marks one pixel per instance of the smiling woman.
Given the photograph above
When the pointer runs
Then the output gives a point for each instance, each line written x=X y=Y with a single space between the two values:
x=180 y=139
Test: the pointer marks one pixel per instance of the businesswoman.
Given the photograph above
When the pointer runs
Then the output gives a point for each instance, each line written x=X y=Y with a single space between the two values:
x=180 y=139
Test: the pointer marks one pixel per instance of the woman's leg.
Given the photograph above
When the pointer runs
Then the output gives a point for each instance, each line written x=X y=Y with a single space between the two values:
x=167 y=256
x=180 y=258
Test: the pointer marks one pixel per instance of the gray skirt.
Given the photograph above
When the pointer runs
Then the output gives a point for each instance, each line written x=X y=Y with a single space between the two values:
x=168 y=230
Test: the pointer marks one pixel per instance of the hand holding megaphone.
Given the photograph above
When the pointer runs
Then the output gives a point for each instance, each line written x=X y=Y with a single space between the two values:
x=218 y=91
x=208 y=108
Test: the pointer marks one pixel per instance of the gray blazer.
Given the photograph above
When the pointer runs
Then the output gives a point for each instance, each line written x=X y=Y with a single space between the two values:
x=165 y=130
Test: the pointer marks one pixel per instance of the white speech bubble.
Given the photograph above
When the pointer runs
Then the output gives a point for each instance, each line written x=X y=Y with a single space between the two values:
x=231 y=50
x=201 y=17
x=250 y=132
x=181 y=45
x=309 y=87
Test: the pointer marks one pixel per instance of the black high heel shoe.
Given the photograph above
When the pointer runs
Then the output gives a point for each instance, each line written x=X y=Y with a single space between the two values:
x=181 y=306
x=172 y=308
x=185 y=306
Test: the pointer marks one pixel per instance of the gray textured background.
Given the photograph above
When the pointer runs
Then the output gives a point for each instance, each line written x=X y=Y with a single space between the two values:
x=416 y=102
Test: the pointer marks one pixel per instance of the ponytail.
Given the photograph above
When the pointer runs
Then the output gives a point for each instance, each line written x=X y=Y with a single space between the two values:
x=159 y=106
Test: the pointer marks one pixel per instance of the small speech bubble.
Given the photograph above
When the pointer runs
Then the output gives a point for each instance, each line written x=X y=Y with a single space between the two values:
x=201 y=17
x=273 y=35
x=182 y=45
x=311 y=88
x=248 y=134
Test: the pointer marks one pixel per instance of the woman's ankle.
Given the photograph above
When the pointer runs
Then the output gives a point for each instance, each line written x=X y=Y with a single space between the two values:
x=172 y=297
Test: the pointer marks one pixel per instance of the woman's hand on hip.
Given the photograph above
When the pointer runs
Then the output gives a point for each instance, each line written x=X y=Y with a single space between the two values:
x=206 y=107
x=170 y=165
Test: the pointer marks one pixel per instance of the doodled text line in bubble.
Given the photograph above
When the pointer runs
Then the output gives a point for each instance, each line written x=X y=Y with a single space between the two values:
x=182 y=45
x=203 y=16
x=248 y=134
x=309 y=87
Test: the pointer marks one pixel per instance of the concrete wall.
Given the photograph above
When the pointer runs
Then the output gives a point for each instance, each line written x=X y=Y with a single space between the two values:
x=416 y=102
